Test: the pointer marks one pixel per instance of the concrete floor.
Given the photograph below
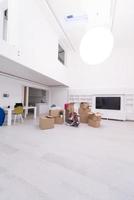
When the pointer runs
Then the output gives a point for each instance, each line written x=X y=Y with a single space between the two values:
x=67 y=163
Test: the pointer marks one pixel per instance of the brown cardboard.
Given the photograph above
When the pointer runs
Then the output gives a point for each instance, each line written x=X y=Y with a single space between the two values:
x=55 y=113
x=84 y=111
x=84 y=105
x=84 y=115
x=84 y=118
x=46 y=123
x=94 y=116
x=95 y=124
x=59 y=120
x=94 y=119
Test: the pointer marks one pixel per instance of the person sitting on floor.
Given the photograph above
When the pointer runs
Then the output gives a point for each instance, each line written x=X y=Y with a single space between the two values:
x=73 y=119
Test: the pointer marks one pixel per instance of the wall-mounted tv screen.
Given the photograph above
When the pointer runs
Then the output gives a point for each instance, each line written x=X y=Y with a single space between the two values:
x=110 y=103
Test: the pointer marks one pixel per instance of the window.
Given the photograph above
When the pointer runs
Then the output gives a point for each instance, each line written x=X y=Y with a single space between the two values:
x=61 y=54
x=5 y=24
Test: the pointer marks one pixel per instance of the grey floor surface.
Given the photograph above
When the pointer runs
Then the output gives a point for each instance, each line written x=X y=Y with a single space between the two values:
x=67 y=163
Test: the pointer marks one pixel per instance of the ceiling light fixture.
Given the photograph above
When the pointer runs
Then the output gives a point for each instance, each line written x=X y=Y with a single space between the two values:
x=74 y=17
x=96 y=45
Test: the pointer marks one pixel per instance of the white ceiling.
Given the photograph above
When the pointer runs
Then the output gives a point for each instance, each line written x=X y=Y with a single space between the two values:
x=100 y=12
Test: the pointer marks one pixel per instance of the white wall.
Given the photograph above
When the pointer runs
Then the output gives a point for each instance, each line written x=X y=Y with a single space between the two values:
x=3 y=6
x=30 y=32
x=59 y=96
x=115 y=74
x=113 y=77
x=15 y=89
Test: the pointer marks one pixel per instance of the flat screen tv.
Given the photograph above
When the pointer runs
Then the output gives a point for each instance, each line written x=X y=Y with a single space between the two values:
x=110 y=103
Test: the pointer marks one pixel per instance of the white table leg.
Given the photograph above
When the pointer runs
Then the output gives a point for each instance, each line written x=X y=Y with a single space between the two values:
x=25 y=113
x=35 y=110
x=9 y=117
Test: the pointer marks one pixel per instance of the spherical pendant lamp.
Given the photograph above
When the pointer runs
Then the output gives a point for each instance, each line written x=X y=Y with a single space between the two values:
x=96 y=45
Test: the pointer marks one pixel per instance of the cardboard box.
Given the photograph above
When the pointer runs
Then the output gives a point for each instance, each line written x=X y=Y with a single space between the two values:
x=46 y=123
x=94 y=116
x=84 y=118
x=84 y=105
x=94 y=119
x=84 y=111
x=84 y=114
x=55 y=113
x=95 y=124
x=59 y=120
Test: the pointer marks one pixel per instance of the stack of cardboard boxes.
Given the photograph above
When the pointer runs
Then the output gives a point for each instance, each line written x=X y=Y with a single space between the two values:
x=86 y=116
x=55 y=116
x=84 y=112
x=58 y=116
